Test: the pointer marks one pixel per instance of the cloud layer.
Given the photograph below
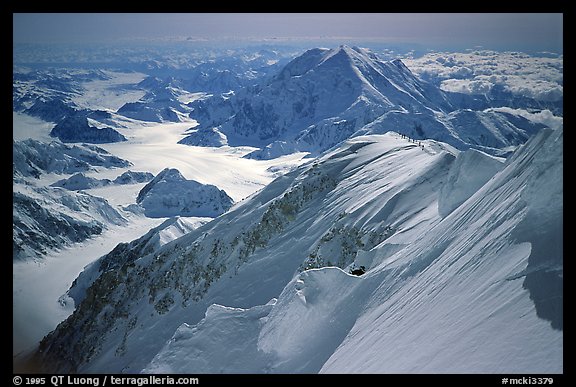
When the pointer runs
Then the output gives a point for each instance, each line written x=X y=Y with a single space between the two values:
x=478 y=72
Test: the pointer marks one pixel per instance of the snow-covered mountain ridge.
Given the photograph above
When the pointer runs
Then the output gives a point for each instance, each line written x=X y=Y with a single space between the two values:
x=371 y=202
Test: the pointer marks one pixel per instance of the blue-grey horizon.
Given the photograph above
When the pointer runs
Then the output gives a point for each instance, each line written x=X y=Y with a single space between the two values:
x=506 y=31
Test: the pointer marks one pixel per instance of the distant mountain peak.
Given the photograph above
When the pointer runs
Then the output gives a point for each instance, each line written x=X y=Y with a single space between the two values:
x=327 y=95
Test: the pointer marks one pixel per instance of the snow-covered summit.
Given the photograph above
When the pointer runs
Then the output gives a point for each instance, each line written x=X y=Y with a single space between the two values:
x=79 y=181
x=170 y=194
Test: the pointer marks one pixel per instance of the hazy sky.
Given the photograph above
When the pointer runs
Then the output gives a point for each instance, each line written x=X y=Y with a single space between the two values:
x=497 y=31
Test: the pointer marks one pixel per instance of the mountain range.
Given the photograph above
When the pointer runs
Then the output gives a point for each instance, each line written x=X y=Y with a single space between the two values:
x=325 y=96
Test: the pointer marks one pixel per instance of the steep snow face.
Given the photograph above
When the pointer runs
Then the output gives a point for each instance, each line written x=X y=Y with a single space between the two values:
x=170 y=194
x=326 y=213
x=297 y=337
x=465 y=297
x=471 y=170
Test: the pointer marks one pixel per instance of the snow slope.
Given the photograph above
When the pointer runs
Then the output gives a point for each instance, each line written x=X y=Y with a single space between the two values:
x=489 y=293
x=476 y=294
x=471 y=170
x=265 y=288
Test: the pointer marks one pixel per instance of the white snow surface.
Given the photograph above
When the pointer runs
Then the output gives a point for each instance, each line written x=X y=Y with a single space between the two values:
x=153 y=147
x=463 y=251
x=449 y=295
x=39 y=285
x=267 y=231
x=471 y=170
x=110 y=94
x=25 y=126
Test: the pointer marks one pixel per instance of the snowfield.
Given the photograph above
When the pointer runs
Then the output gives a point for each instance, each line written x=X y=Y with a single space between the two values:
x=155 y=147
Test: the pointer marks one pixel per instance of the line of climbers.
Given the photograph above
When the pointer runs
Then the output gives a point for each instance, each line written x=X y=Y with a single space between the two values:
x=419 y=143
